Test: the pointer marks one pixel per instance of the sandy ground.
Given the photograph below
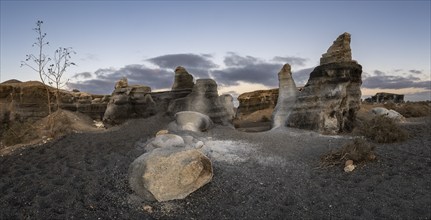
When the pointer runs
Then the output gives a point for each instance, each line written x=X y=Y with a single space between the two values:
x=266 y=175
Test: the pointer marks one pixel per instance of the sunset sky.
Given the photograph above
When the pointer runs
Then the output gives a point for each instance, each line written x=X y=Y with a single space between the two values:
x=240 y=44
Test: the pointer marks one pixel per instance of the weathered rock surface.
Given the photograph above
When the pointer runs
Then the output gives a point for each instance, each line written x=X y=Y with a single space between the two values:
x=192 y=121
x=204 y=99
x=392 y=114
x=129 y=102
x=27 y=101
x=331 y=98
x=254 y=101
x=382 y=97
x=227 y=101
x=286 y=97
x=167 y=140
x=183 y=80
x=169 y=173
x=339 y=51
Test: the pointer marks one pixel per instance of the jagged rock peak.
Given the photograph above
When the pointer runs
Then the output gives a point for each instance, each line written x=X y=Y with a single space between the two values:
x=183 y=80
x=339 y=51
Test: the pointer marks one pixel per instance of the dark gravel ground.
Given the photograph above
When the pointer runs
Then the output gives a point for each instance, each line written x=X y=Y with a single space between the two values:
x=84 y=176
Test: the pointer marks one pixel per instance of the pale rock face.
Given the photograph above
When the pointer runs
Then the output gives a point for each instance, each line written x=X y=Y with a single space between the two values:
x=122 y=83
x=169 y=173
x=193 y=121
x=394 y=115
x=183 y=80
x=227 y=101
x=286 y=97
x=128 y=102
x=339 y=51
x=331 y=98
x=204 y=99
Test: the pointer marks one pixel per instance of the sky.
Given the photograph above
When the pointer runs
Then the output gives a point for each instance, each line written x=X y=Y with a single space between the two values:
x=240 y=44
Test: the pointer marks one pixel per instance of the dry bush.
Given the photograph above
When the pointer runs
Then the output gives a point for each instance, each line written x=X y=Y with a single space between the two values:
x=382 y=129
x=18 y=133
x=411 y=109
x=358 y=150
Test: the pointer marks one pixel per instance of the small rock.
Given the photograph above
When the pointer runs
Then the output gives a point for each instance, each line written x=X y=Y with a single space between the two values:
x=148 y=208
x=349 y=168
x=162 y=132
x=349 y=162
x=168 y=140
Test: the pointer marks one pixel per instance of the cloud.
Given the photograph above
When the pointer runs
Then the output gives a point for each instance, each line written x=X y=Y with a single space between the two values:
x=233 y=59
x=84 y=75
x=415 y=71
x=299 y=61
x=136 y=74
x=90 y=57
x=247 y=69
x=262 y=73
x=383 y=81
x=419 y=96
x=197 y=65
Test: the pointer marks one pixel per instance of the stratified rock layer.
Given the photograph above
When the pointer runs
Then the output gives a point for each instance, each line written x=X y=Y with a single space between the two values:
x=286 y=97
x=257 y=100
x=27 y=101
x=339 y=51
x=330 y=100
x=183 y=80
x=204 y=99
x=129 y=102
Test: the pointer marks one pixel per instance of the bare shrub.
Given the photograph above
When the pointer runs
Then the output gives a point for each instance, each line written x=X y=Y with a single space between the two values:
x=411 y=109
x=382 y=129
x=358 y=150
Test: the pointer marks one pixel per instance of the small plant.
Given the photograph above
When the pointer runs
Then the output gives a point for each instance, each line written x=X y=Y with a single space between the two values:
x=382 y=129
x=358 y=150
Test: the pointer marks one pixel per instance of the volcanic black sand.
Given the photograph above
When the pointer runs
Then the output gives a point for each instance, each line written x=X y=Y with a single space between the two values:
x=267 y=175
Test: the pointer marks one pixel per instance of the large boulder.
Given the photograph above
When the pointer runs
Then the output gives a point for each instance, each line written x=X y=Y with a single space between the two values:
x=286 y=97
x=192 y=121
x=183 y=80
x=204 y=99
x=331 y=98
x=392 y=114
x=169 y=173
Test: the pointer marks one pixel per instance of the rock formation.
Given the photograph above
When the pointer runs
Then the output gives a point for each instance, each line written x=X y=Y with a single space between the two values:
x=382 y=97
x=192 y=121
x=286 y=97
x=27 y=101
x=183 y=80
x=339 y=51
x=227 y=101
x=204 y=99
x=129 y=102
x=331 y=98
x=251 y=102
x=169 y=173
x=392 y=114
